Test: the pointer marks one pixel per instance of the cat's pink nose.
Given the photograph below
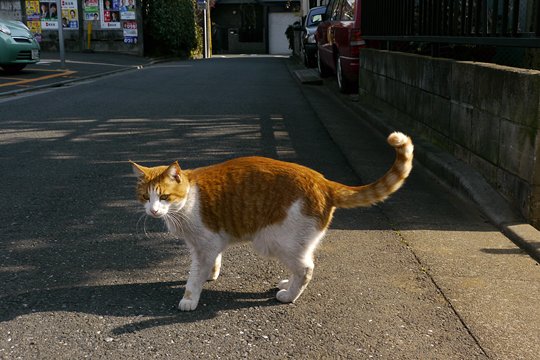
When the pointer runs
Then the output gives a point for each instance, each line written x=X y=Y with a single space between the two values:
x=153 y=211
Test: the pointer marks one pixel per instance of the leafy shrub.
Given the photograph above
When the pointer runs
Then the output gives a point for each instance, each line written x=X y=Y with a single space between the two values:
x=170 y=27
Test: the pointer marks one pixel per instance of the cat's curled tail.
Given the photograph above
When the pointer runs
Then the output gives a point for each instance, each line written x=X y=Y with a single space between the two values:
x=366 y=195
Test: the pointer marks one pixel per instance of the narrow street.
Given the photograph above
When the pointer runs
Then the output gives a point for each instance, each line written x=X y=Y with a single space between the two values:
x=83 y=276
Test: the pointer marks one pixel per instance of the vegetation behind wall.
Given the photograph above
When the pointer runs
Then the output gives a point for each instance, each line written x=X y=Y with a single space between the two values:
x=170 y=28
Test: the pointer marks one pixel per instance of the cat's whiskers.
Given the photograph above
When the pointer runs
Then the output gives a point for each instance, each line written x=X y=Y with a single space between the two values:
x=180 y=222
x=144 y=217
x=173 y=224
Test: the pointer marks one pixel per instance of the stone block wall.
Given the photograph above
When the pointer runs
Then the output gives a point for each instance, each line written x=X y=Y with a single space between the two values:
x=10 y=9
x=484 y=114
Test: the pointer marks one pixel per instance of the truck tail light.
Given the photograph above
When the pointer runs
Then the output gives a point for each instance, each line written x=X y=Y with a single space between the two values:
x=356 y=38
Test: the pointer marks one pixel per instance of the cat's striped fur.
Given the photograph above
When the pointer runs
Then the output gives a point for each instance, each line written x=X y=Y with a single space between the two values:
x=283 y=208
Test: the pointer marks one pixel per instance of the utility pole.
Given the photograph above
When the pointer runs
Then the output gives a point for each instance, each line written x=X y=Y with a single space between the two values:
x=208 y=30
x=60 y=34
x=205 y=29
x=205 y=6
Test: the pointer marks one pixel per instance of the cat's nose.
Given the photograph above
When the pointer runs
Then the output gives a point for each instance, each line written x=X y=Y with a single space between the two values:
x=154 y=211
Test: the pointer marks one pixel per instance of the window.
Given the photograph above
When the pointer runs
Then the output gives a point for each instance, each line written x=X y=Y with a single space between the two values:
x=347 y=12
x=334 y=12
x=317 y=18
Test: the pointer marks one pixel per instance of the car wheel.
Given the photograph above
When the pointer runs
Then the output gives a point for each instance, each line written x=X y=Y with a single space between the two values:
x=345 y=86
x=323 y=70
x=12 y=69
x=306 y=60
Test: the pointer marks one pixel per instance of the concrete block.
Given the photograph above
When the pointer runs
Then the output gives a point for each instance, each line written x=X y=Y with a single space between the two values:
x=425 y=108
x=379 y=63
x=463 y=80
x=404 y=68
x=485 y=135
x=381 y=90
x=517 y=149
x=440 y=113
x=366 y=80
x=426 y=73
x=414 y=98
x=461 y=124
x=392 y=65
x=520 y=97
x=442 y=77
x=402 y=95
x=488 y=89
x=366 y=59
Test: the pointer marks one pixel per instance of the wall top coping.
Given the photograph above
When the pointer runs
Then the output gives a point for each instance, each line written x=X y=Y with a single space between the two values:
x=475 y=63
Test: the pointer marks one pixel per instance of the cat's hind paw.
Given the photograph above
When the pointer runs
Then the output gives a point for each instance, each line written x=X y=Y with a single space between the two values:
x=284 y=296
x=213 y=276
x=283 y=285
x=187 y=305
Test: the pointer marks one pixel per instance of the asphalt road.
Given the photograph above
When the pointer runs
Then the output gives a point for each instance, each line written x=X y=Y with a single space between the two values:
x=83 y=277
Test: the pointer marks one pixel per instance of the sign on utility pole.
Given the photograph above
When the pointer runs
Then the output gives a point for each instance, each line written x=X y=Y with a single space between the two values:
x=61 y=34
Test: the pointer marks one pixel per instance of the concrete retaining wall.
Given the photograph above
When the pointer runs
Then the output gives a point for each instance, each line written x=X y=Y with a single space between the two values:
x=10 y=9
x=484 y=114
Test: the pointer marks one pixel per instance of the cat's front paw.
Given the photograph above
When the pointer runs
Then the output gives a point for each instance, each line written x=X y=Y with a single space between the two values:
x=284 y=296
x=283 y=285
x=187 y=304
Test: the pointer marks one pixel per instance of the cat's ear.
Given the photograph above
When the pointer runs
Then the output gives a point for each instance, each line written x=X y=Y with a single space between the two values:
x=138 y=170
x=174 y=172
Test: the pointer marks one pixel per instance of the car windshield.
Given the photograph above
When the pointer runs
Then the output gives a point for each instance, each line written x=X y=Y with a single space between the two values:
x=315 y=19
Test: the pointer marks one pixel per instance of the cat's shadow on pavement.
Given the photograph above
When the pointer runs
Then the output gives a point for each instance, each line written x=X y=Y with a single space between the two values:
x=149 y=304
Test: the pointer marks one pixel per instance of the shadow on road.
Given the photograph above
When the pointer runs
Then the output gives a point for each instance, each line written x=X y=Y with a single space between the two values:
x=148 y=303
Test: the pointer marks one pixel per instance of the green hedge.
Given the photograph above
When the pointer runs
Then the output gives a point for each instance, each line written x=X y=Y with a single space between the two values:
x=170 y=28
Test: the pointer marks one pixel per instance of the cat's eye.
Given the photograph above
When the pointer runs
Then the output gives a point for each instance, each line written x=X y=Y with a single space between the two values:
x=146 y=197
x=164 y=197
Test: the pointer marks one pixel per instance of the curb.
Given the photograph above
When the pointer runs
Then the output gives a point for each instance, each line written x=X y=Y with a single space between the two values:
x=83 y=78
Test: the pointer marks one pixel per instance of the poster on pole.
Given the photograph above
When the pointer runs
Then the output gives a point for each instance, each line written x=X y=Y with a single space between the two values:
x=70 y=15
x=127 y=10
x=130 y=31
x=110 y=14
x=48 y=14
x=33 y=19
x=91 y=10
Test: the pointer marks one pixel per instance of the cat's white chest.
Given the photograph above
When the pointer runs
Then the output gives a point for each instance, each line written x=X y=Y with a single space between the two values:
x=296 y=232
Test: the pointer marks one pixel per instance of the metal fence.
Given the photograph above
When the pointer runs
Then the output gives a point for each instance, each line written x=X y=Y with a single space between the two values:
x=514 y=23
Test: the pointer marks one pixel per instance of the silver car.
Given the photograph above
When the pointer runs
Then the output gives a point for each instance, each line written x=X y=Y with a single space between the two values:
x=309 y=46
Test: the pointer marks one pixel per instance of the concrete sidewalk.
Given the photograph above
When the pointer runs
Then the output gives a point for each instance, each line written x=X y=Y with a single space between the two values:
x=492 y=285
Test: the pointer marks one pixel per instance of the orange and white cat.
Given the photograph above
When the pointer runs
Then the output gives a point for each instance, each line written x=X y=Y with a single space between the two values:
x=283 y=208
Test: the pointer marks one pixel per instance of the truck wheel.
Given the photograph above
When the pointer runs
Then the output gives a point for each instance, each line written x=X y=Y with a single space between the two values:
x=323 y=70
x=344 y=85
